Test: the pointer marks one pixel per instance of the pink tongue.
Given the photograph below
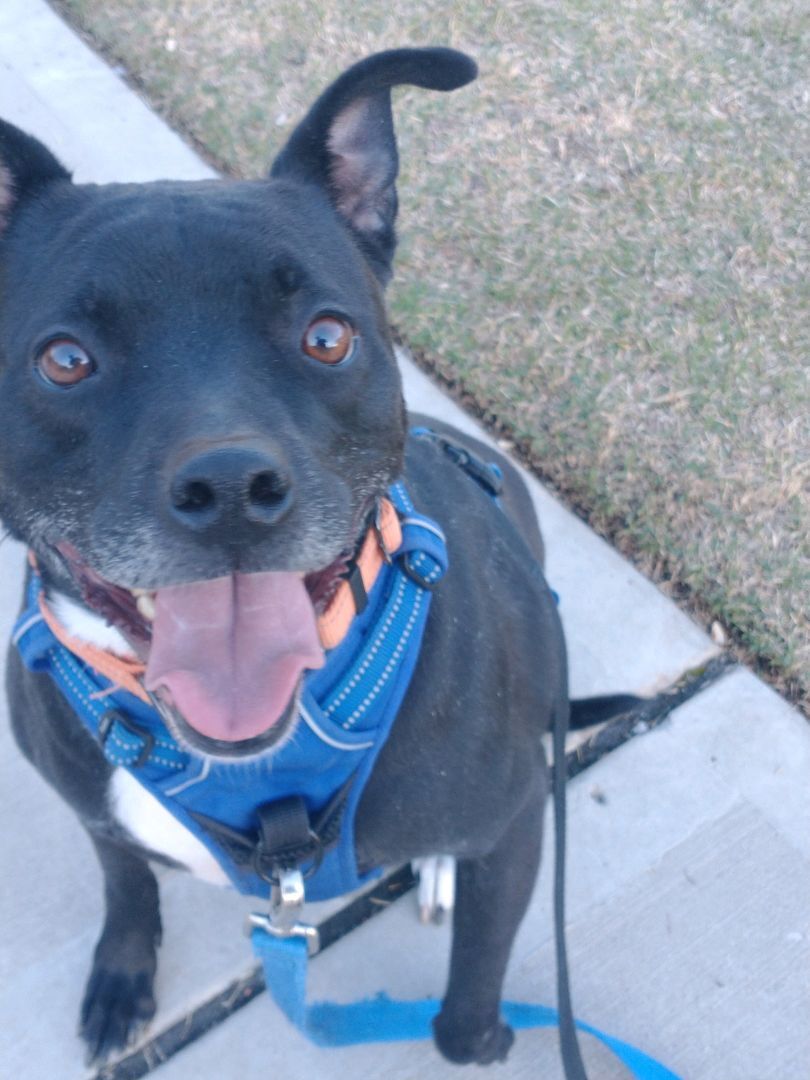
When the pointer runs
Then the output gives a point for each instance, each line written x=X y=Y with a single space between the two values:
x=230 y=651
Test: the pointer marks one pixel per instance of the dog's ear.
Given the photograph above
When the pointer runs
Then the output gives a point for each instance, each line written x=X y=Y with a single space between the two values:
x=26 y=167
x=346 y=143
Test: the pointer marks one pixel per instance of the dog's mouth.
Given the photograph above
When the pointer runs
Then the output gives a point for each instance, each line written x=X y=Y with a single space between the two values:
x=224 y=657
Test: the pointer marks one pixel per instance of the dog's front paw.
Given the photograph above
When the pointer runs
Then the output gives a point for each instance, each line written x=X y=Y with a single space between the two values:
x=117 y=1006
x=463 y=1046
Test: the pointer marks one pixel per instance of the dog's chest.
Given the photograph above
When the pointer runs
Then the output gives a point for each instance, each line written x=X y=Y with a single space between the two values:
x=132 y=806
x=146 y=820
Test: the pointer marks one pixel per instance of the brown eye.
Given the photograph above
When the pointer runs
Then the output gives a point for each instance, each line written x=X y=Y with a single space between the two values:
x=64 y=362
x=328 y=339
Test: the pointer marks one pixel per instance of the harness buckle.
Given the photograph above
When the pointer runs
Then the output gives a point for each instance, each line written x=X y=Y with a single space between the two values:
x=286 y=905
x=112 y=717
x=422 y=580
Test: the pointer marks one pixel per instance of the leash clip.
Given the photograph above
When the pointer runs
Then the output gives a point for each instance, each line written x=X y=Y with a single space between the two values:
x=286 y=905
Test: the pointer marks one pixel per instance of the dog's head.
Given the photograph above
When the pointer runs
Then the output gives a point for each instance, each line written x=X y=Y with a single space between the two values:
x=199 y=398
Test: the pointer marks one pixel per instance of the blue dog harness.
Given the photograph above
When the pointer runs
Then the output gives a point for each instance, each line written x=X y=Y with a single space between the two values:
x=273 y=820
x=300 y=801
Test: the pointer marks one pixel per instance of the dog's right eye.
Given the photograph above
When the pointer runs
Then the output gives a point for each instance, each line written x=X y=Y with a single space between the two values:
x=329 y=339
x=64 y=363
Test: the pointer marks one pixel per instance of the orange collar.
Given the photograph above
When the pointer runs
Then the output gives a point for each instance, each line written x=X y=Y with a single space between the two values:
x=381 y=539
x=384 y=537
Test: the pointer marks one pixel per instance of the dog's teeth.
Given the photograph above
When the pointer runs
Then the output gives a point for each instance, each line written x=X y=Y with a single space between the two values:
x=146 y=605
x=139 y=592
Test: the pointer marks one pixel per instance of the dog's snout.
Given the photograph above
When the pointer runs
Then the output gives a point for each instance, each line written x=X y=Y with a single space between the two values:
x=226 y=487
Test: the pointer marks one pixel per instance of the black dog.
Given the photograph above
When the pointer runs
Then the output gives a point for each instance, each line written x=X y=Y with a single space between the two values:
x=197 y=382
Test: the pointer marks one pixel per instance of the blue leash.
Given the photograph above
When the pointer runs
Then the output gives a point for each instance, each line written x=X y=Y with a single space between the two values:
x=381 y=1019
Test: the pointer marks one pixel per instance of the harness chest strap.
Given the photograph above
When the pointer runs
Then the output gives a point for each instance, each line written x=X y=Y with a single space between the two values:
x=384 y=537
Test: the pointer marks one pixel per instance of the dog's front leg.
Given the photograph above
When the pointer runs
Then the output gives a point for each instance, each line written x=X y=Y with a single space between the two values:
x=492 y=894
x=119 y=998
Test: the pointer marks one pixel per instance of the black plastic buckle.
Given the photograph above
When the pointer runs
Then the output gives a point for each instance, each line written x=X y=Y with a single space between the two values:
x=409 y=571
x=113 y=716
x=486 y=474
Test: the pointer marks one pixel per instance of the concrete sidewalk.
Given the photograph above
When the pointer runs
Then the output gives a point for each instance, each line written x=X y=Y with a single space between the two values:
x=689 y=865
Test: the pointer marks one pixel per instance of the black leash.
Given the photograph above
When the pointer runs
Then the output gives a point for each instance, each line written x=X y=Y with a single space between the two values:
x=569 y=1046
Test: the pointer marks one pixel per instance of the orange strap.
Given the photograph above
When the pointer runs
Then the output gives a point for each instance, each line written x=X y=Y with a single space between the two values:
x=123 y=674
x=333 y=625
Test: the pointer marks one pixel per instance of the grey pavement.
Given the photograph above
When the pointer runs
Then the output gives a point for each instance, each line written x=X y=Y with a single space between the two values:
x=689 y=863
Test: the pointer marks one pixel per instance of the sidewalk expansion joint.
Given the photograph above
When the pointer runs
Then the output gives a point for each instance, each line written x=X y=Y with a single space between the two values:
x=650 y=714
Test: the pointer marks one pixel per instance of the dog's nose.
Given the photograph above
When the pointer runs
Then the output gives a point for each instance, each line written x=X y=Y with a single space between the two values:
x=227 y=486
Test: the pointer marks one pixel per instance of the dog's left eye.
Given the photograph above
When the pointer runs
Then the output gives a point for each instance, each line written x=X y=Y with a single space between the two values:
x=329 y=339
x=64 y=363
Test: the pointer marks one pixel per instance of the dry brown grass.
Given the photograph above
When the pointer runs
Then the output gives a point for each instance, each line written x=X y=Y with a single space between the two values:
x=605 y=243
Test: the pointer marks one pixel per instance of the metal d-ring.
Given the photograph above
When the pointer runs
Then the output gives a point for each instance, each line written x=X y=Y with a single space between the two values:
x=274 y=876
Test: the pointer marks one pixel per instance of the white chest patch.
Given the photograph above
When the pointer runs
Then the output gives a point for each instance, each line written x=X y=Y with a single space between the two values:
x=140 y=813
x=151 y=824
